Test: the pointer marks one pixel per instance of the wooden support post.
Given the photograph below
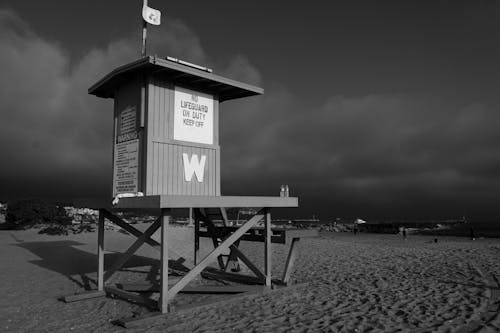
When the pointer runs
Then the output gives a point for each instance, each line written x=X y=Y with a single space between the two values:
x=223 y=213
x=100 y=252
x=163 y=301
x=292 y=254
x=196 y=236
x=268 y=249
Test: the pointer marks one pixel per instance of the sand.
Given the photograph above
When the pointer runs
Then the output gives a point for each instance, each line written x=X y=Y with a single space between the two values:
x=363 y=283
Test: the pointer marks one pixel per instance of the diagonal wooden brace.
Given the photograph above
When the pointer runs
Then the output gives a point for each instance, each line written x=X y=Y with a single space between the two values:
x=214 y=254
x=247 y=262
x=133 y=231
x=290 y=260
x=132 y=249
x=128 y=228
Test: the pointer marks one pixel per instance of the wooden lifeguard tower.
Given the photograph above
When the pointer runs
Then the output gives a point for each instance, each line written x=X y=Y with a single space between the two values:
x=166 y=155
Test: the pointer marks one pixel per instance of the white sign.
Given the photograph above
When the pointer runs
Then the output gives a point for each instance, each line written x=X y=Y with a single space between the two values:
x=151 y=15
x=194 y=166
x=126 y=167
x=193 y=116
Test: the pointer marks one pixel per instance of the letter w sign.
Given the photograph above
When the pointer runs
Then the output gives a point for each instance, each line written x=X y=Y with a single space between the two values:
x=194 y=166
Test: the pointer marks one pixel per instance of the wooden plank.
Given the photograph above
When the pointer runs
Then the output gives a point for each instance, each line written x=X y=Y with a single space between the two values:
x=132 y=249
x=146 y=137
x=214 y=254
x=170 y=107
x=267 y=247
x=161 y=165
x=196 y=237
x=143 y=83
x=217 y=175
x=138 y=287
x=232 y=277
x=83 y=296
x=143 y=287
x=234 y=289
x=211 y=175
x=100 y=252
x=142 y=105
x=163 y=110
x=290 y=260
x=223 y=213
x=131 y=297
x=156 y=168
x=170 y=171
x=216 y=119
x=164 y=295
x=149 y=129
x=142 y=321
x=201 y=201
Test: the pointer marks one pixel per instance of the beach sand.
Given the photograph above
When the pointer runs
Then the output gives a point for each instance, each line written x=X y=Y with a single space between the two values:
x=362 y=283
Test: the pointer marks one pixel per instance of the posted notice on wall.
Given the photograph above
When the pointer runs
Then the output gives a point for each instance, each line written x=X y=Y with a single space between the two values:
x=193 y=116
x=126 y=167
x=127 y=125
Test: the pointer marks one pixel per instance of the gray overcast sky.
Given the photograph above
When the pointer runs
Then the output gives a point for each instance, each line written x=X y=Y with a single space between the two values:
x=372 y=108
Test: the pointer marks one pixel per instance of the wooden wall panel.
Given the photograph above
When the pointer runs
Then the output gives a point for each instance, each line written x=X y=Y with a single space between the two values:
x=168 y=170
x=164 y=163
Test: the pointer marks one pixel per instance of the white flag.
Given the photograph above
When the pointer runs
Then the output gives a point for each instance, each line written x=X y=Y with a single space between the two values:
x=150 y=15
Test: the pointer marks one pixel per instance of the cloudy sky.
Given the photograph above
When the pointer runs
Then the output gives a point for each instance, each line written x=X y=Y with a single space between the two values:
x=372 y=109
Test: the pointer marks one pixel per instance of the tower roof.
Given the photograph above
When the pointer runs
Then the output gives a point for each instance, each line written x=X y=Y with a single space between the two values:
x=190 y=77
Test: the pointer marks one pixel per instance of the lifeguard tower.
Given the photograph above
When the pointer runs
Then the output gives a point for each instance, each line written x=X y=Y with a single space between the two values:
x=166 y=155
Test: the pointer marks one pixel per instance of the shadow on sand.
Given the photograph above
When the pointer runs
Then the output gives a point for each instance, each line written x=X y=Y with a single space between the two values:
x=62 y=257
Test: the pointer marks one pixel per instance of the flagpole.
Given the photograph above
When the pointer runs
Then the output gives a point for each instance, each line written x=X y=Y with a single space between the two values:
x=144 y=31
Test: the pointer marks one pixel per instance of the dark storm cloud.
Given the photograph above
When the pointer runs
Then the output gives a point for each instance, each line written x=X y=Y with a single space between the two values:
x=390 y=152
x=380 y=154
x=55 y=139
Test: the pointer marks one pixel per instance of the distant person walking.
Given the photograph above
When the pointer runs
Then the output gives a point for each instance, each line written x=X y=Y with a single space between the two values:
x=472 y=235
x=403 y=232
